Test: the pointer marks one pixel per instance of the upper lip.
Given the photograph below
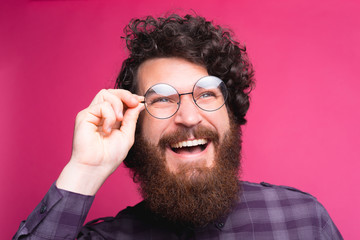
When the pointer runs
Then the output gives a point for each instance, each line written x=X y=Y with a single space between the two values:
x=189 y=143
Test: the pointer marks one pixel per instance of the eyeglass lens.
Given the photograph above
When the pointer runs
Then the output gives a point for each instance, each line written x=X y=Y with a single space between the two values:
x=163 y=101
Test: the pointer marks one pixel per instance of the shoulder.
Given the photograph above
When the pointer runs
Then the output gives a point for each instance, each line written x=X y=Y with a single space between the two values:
x=266 y=189
x=279 y=197
x=282 y=201
x=279 y=200
x=265 y=208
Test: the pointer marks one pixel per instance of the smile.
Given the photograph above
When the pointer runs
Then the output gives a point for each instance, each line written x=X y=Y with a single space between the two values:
x=189 y=146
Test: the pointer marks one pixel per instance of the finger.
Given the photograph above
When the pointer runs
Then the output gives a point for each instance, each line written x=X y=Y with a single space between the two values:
x=102 y=115
x=117 y=98
x=131 y=116
x=115 y=102
x=118 y=124
x=131 y=100
x=140 y=99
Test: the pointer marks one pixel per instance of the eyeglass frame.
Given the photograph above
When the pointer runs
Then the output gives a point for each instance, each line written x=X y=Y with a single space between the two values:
x=192 y=94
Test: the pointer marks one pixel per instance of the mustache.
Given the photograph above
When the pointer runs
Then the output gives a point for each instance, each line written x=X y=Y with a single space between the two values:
x=182 y=134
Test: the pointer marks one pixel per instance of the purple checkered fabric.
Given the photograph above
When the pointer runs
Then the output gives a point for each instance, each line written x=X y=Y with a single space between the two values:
x=264 y=211
x=59 y=215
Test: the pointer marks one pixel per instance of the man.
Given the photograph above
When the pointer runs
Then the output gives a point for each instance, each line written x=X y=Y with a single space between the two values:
x=193 y=80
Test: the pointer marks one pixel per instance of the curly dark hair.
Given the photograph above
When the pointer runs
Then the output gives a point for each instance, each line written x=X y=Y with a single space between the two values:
x=196 y=40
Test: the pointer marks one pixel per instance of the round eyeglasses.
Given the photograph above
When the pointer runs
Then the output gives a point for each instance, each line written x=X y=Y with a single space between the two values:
x=163 y=101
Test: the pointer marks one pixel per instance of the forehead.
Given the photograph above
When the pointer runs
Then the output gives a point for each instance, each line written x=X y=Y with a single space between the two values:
x=177 y=72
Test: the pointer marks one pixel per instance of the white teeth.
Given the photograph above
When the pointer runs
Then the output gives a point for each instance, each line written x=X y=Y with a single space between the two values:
x=189 y=143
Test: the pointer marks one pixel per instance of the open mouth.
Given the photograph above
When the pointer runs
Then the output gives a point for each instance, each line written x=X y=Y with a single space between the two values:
x=189 y=146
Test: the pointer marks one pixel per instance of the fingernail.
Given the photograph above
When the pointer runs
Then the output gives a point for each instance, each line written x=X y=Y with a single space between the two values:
x=109 y=129
x=120 y=114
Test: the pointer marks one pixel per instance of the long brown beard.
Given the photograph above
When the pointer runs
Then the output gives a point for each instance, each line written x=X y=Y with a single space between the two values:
x=194 y=195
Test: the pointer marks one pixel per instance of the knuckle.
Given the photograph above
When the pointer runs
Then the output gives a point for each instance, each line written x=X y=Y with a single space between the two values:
x=80 y=114
x=103 y=91
x=106 y=104
x=100 y=95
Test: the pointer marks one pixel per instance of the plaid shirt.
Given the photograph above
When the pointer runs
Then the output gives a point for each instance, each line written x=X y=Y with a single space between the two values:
x=264 y=211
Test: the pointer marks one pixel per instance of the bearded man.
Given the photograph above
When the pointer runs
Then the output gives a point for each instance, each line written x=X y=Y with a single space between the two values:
x=193 y=80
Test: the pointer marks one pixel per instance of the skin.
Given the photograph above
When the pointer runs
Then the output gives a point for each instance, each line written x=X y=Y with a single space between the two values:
x=182 y=75
x=104 y=132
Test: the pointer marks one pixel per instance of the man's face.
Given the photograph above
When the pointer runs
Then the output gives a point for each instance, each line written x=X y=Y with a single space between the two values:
x=185 y=185
x=189 y=119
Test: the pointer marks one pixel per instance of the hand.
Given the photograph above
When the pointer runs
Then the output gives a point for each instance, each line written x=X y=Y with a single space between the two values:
x=104 y=133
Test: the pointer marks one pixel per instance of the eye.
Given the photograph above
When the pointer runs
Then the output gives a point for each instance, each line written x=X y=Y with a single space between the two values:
x=160 y=100
x=163 y=101
x=208 y=94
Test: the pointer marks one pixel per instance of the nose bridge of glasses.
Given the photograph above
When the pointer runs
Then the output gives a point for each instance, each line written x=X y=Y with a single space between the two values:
x=187 y=93
x=188 y=112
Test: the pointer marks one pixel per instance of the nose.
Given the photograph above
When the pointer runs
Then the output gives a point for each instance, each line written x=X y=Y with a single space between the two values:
x=188 y=113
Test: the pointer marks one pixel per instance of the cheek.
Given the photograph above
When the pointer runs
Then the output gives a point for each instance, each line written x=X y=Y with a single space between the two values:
x=221 y=121
x=151 y=128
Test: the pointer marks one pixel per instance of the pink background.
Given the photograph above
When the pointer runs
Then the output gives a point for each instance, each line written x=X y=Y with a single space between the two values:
x=304 y=119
